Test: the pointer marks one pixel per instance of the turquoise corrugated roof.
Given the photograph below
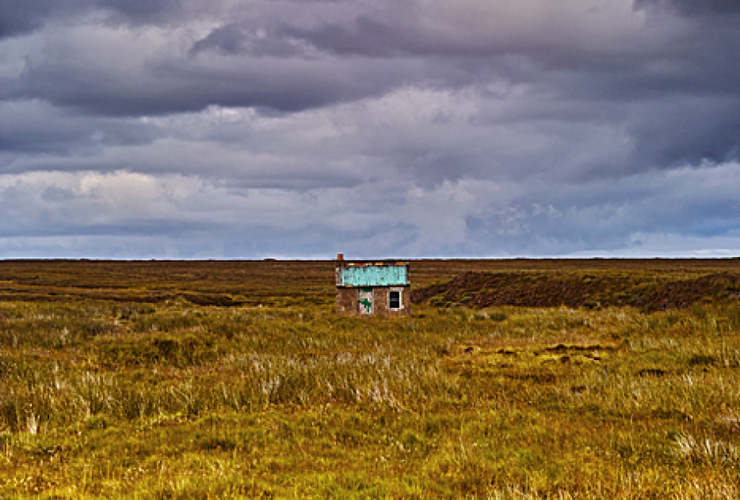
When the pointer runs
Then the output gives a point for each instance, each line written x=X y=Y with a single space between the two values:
x=374 y=276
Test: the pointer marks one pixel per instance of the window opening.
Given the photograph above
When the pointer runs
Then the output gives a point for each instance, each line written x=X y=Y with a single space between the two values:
x=394 y=299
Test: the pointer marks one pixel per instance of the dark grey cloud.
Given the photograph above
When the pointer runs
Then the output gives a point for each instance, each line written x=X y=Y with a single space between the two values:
x=362 y=36
x=691 y=131
x=22 y=16
x=694 y=7
x=177 y=86
x=19 y=16
x=273 y=63
x=143 y=11
x=37 y=127
x=235 y=39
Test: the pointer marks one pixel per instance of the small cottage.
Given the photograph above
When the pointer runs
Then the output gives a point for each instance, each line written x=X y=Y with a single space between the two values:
x=373 y=287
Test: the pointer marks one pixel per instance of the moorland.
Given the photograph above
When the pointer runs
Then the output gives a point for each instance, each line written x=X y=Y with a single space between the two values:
x=513 y=379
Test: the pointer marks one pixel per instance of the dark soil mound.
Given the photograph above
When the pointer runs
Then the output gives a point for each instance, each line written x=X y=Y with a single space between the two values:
x=651 y=292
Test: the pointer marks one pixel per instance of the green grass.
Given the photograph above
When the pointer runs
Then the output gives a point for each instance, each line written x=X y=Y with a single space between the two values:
x=170 y=399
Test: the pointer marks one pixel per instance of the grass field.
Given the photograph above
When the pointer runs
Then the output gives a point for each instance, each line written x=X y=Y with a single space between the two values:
x=238 y=380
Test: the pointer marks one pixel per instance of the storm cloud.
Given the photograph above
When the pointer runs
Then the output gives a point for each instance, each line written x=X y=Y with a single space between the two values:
x=244 y=129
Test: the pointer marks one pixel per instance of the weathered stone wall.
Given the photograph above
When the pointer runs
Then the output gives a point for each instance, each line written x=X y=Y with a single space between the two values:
x=347 y=301
x=381 y=301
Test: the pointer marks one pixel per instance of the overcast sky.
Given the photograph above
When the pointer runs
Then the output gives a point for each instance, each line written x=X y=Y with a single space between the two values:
x=375 y=128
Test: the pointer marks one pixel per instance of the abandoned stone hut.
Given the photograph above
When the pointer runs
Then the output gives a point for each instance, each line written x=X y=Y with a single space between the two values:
x=373 y=287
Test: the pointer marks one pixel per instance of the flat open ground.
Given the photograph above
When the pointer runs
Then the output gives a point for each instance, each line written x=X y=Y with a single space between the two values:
x=513 y=379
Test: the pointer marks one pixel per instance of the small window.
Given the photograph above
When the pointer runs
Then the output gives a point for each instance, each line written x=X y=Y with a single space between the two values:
x=394 y=299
